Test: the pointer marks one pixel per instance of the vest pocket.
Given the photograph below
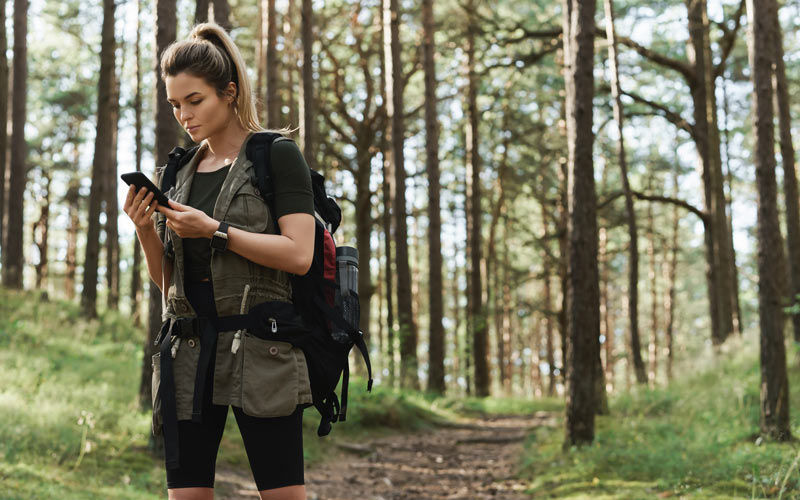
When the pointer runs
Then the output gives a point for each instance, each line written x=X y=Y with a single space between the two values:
x=184 y=368
x=155 y=389
x=269 y=377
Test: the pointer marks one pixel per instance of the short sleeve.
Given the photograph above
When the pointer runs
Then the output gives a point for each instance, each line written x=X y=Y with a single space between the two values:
x=292 y=179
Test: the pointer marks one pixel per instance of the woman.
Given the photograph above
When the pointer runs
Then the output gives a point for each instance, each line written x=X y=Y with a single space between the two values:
x=266 y=382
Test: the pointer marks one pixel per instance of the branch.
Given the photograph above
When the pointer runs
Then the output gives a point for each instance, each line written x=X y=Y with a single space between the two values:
x=527 y=60
x=652 y=197
x=681 y=67
x=728 y=39
x=660 y=110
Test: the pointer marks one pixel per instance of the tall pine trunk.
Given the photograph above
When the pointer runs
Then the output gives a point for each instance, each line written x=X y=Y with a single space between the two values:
x=407 y=323
x=435 y=299
x=307 y=126
x=583 y=288
x=12 y=250
x=633 y=239
x=102 y=158
x=136 y=279
x=774 y=382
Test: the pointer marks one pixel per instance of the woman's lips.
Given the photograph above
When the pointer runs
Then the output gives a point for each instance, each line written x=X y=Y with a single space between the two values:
x=190 y=129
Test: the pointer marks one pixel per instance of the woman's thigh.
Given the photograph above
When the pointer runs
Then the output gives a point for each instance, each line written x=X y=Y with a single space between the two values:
x=198 y=445
x=274 y=448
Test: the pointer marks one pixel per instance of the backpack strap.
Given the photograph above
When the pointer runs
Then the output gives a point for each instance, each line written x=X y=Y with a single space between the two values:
x=259 y=151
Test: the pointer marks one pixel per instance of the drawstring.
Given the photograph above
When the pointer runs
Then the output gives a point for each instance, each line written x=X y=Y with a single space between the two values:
x=237 y=337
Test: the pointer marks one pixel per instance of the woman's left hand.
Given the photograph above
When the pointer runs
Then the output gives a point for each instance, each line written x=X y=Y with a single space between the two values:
x=189 y=222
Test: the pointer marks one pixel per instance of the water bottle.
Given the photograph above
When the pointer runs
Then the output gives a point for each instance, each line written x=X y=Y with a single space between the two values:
x=346 y=296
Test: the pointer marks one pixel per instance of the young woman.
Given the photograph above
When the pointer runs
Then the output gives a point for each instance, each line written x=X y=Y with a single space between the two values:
x=266 y=382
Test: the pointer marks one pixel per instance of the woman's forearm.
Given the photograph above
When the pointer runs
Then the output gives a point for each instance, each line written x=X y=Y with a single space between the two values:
x=269 y=250
x=153 y=253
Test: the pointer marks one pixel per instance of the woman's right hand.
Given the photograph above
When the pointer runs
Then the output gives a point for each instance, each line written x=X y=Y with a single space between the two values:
x=136 y=206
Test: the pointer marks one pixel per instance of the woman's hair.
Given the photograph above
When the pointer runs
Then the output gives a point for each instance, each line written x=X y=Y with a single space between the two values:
x=210 y=53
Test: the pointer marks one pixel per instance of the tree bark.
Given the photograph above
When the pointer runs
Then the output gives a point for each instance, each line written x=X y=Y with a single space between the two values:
x=670 y=273
x=789 y=171
x=137 y=294
x=435 y=291
x=4 y=95
x=407 y=323
x=480 y=346
x=41 y=226
x=633 y=239
x=309 y=112
x=12 y=251
x=273 y=96
x=583 y=289
x=112 y=205
x=774 y=421
x=387 y=169
x=102 y=158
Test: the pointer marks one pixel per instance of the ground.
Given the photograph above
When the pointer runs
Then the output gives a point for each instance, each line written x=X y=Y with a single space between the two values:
x=471 y=460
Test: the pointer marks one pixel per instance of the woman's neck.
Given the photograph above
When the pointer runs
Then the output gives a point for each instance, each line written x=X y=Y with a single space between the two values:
x=224 y=147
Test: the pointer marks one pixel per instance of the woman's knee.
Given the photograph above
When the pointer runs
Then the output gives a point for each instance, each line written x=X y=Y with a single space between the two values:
x=191 y=493
x=294 y=492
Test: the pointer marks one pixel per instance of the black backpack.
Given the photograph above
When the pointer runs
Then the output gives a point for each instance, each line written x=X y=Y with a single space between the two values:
x=314 y=294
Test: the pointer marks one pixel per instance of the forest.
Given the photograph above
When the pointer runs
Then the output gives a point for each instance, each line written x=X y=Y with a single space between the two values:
x=577 y=225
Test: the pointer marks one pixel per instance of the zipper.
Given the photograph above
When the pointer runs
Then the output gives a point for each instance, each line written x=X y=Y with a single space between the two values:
x=274 y=325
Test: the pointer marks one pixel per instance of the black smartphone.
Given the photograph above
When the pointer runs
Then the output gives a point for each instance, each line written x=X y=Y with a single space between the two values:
x=140 y=180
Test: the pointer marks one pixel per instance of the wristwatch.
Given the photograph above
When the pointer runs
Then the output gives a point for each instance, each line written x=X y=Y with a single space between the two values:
x=219 y=241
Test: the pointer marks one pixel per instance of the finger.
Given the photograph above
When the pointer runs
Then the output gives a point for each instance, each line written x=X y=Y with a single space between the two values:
x=152 y=209
x=138 y=198
x=131 y=194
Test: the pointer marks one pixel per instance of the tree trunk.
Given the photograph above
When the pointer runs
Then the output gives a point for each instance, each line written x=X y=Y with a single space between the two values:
x=435 y=299
x=651 y=257
x=41 y=226
x=384 y=35
x=774 y=382
x=789 y=172
x=4 y=95
x=222 y=14
x=136 y=279
x=112 y=205
x=583 y=290
x=102 y=158
x=201 y=11
x=273 y=96
x=291 y=58
x=718 y=262
x=633 y=239
x=408 y=327
x=12 y=251
x=308 y=127
x=605 y=311
x=670 y=272
x=479 y=319
x=72 y=197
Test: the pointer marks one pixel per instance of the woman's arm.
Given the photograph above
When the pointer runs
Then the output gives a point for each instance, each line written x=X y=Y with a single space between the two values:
x=291 y=251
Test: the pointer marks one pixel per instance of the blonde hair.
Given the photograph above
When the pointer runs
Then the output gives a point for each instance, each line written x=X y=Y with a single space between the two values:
x=210 y=53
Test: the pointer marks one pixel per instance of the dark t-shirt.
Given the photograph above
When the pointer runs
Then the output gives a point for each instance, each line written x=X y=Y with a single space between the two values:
x=293 y=194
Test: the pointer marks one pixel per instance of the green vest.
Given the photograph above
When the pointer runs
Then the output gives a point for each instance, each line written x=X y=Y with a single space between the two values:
x=264 y=382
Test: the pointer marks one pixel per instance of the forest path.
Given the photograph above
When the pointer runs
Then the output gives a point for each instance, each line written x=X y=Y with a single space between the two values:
x=472 y=460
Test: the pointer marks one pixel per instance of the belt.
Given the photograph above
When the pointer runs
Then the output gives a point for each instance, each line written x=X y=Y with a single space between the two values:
x=261 y=317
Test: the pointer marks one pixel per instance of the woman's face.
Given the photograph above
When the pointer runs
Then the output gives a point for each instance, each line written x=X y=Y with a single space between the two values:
x=197 y=107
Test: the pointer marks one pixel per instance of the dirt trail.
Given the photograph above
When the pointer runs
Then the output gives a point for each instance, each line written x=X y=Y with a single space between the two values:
x=469 y=461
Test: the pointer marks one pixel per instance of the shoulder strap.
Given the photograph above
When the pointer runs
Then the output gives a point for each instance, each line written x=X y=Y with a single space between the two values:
x=178 y=157
x=258 y=151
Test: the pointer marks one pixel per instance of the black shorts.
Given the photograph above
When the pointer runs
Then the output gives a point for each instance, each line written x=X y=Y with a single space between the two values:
x=274 y=445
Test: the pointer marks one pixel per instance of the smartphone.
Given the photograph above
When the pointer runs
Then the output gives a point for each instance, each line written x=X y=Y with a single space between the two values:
x=140 y=180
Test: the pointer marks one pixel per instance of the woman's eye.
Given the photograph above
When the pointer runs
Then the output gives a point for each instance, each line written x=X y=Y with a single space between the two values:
x=194 y=103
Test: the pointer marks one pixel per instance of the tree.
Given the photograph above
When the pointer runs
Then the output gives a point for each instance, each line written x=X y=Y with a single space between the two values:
x=774 y=382
x=12 y=250
x=102 y=158
x=436 y=362
x=583 y=287
x=633 y=248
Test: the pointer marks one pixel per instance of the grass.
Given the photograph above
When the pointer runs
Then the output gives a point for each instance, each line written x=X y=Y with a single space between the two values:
x=71 y=426
x=694 y=439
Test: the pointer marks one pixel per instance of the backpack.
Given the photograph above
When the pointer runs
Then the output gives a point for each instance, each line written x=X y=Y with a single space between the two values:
x=315 y=295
